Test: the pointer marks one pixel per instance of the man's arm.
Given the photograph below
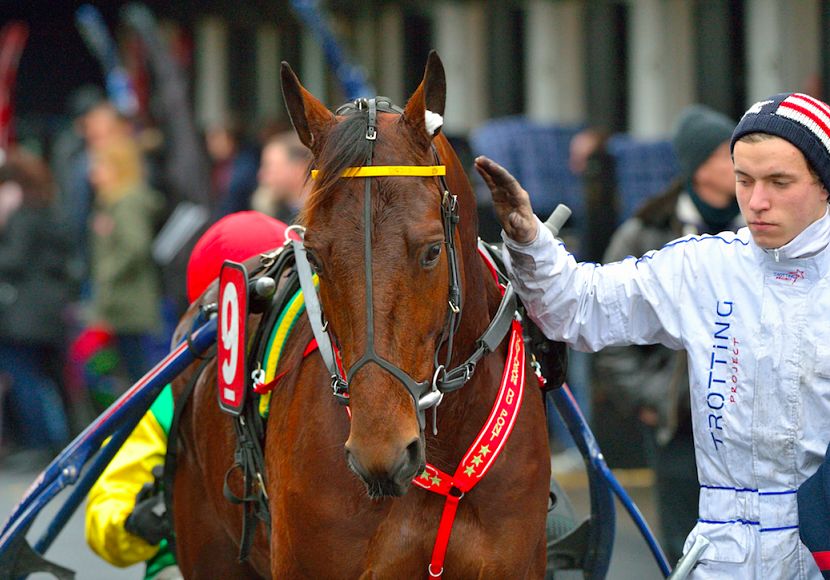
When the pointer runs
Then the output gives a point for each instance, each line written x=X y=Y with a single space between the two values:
x=113 y=497
x=586 y=305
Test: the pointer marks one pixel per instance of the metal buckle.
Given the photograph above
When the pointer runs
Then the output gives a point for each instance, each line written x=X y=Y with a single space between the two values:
x=340 y=390
x=371 y=134
x=258 y=378
x=300 y=230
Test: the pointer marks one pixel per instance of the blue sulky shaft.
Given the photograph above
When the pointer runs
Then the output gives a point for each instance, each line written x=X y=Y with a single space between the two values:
x=602 y=483
x=117 y=421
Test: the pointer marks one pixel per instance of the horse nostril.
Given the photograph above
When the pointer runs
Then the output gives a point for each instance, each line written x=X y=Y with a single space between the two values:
x=411 y=460
x=413 y=450
x=352 y=462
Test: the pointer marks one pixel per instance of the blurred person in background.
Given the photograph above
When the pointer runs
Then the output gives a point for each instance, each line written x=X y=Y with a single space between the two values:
x=34 y=289
x=126 y=291
x=283 y=177
x=652 y=381
x=234 y=167
x=96 y=122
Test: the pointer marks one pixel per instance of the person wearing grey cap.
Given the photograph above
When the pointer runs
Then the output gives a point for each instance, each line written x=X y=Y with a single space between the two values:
x=651 y=381
x=752 y=311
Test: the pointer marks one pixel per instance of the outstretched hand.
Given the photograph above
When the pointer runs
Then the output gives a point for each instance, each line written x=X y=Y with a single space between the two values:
x=510 y=200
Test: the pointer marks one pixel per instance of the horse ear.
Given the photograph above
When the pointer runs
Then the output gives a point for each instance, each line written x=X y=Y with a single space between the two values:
x=310 y=117
x=425 y=108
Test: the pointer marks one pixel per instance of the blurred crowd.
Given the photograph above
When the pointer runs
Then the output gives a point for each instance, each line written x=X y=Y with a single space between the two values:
x=93 y=244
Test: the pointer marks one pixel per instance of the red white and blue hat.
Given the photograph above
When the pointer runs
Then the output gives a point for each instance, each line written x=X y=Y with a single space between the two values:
x=797 y=118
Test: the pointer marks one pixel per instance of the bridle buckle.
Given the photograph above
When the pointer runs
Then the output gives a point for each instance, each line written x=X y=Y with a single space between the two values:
x=340 y=390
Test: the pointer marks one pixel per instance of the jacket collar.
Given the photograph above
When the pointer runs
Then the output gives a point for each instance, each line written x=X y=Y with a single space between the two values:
x=807 y=244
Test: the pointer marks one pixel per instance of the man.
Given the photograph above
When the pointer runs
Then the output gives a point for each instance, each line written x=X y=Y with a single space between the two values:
x=651 y=381
x=283 y=177
x=125 y=520
x=750 y=309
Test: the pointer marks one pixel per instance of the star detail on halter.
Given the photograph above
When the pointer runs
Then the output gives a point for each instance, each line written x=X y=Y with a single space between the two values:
x=485 y=449
x=435 y=480
x=476 y=460
x=469 y=470
x=425 y=475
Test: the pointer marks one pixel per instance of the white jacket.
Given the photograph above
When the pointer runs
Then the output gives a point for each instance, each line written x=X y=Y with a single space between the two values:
x=756 y=326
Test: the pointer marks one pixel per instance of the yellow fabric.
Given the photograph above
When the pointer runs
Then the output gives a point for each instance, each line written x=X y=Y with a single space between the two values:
x=285 y=324
x=393 y=170
x=112 y=498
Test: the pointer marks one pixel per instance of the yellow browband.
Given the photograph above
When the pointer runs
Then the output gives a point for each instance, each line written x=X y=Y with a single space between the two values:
x=393 y=170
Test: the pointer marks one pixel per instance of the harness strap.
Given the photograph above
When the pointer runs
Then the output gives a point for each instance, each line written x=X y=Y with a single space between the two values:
x=390 y=171
x=487 y=343
x=482 y=453
x=314 y=312
x=249 y=459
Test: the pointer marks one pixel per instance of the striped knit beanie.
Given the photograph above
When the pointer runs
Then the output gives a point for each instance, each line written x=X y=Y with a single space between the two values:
x=797 y=118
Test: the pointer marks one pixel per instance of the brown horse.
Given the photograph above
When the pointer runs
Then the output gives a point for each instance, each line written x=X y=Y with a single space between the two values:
x=327 y=523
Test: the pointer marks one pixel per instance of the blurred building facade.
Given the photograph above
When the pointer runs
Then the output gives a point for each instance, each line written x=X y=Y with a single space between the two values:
x=628 y=65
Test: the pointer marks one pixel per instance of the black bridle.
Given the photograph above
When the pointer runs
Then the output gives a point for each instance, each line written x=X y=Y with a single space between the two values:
x=427 y=393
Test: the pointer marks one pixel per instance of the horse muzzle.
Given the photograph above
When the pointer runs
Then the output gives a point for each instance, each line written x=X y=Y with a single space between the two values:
x=387 y=478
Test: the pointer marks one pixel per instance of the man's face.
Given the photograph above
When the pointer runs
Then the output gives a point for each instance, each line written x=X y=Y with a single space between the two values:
x=714 y=180
x=777 y=194
x=283 y=177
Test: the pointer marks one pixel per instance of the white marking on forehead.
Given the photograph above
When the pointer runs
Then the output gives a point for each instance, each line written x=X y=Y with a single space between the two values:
x=434 y=121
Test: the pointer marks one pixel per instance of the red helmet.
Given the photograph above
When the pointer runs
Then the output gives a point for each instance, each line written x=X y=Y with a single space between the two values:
x=235 y=237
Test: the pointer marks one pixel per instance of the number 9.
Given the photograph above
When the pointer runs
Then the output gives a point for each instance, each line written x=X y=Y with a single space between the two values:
x=230 y=332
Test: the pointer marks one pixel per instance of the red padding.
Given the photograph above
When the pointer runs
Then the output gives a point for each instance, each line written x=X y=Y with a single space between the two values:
x=822 y=560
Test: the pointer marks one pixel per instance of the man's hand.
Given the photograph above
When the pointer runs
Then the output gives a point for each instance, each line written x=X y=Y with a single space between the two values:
x=510 y=200
x=149 y=519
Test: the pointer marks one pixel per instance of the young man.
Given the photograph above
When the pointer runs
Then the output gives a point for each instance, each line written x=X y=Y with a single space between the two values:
x=751 y=310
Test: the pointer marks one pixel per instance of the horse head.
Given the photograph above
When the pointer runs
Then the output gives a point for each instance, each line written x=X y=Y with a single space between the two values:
x=385 y=270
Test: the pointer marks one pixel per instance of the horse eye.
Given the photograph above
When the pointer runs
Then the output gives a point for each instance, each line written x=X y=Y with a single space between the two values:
x=431 y=256
x=314 y=262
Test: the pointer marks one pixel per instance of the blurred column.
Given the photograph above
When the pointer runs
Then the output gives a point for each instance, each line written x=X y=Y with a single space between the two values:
x=555 y=73
x=211 y=71
x=719 y=56
x=783 y=47
x=606 y=64
x=461 y=40
x=365 y=36
x=313 y=67
x=390 y=66
x=661 y=73
x=269 y=98
x=506 y=59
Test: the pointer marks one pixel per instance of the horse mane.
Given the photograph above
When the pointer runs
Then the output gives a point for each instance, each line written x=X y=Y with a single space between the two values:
x=345 y=146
